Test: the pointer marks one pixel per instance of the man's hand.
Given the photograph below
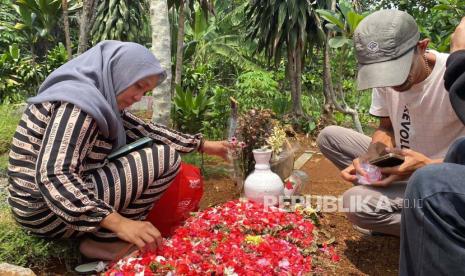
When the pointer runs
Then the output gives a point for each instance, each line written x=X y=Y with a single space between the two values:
x=413 y=161
x=388 y=180
x=458 y=37
x=140 y=233
x=349 y=173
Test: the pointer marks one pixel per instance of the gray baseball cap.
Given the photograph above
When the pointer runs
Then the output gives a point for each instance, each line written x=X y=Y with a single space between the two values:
x=384 y=45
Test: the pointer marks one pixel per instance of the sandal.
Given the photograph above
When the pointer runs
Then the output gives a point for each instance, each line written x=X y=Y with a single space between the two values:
x=91 y=268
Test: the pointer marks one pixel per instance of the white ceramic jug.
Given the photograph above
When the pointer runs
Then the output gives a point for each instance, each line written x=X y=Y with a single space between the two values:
x=263 y=185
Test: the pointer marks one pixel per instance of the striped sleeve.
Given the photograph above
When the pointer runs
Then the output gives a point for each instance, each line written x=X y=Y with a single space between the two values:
x=67 y=139
x=137 y=128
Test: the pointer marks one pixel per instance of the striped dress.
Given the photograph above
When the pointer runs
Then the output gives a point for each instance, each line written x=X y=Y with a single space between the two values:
x=61 y=184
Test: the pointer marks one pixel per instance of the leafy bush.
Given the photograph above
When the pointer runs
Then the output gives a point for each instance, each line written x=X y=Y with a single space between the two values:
x=21 y=75
x=254 y=127
x=8 y=35
x=190 y=110
x=8 y=125
x=256 y=89
x=215 y=127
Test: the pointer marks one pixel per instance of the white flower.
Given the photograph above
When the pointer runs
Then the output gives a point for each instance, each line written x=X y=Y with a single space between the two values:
x=101 y=266
x=263 y=262
x=229 y=271
x=284 y=263
x=160 y=259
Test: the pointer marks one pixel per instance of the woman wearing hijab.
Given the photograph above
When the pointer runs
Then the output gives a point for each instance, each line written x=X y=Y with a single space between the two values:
x=61 y=182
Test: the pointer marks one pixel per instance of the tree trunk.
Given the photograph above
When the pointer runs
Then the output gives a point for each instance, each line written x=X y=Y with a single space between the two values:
x=64 y=6
x=85 y=24
x=161 y=48
x=180 y=44
x=294 y=80
x=344 y=108
x=328 y=107
x=298 y=81
x=328 y=88
x=291 y=75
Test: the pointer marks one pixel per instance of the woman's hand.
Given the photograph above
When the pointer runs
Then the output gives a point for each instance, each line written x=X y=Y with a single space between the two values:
x=218 y=148
x=140 y=233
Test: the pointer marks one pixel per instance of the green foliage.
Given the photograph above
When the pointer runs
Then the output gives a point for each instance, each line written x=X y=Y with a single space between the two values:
x=123 y=20
x=56 y=57
x=8 y=124
x=21 y=75
x=38 y=19
x=343 y=22
x=8 y=34
x=215 y=127
x=437 y=19
x=441 y=22
x=280 y=24
x=19 y=248
x=190 y=110
x=211 y=38
x=257 y=89
x=254 y=127
x=197 y=78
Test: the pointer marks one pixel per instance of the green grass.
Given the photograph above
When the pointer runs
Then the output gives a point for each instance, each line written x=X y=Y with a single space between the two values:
x=9 y=121
x=3 y=164
x=213 y=166
x=19 y=248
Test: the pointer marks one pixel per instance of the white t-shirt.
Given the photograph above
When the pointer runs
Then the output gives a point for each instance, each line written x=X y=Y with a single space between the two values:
x=422 y=117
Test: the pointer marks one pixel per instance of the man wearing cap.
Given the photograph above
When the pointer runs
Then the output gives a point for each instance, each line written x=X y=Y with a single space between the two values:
x=416 y=118
x=433 y=234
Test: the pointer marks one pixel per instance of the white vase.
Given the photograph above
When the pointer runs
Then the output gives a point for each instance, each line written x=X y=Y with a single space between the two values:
x=263 y=185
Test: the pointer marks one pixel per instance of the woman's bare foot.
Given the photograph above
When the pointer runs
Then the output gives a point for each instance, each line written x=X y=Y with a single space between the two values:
x=105 y=251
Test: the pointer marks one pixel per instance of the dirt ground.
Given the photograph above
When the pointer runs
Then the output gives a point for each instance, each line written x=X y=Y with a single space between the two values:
x=360 y=254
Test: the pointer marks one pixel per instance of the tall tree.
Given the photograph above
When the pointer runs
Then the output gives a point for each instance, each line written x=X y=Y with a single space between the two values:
x=86 y=21
x=342 y=23
x=161 y=47
x=64 y=6
x=289 y=28
x=181 y=6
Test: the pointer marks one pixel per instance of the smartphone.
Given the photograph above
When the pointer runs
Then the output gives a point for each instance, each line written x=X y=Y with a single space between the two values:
x=138 y=144
x=388 y=160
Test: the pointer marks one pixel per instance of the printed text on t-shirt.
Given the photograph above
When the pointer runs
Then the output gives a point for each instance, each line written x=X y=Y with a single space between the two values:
x=405 y=129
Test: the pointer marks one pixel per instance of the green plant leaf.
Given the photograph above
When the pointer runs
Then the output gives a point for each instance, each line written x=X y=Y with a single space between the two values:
x=339 y=41
x=353 y=19
x=331 y=17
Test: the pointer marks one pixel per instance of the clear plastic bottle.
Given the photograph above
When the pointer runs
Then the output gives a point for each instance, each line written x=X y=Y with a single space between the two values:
x=296 y=183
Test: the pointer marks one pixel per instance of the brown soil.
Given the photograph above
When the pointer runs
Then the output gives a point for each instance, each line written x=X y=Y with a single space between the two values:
x=360 y=254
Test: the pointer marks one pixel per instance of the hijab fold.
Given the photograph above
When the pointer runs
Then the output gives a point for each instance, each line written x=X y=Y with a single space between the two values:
x=92 y=81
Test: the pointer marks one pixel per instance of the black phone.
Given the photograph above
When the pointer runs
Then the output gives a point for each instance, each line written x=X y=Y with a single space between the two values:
x=138 y=144
x=388 y=160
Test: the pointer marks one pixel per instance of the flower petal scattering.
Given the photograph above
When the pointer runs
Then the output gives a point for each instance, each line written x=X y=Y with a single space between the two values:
x=237 y=238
